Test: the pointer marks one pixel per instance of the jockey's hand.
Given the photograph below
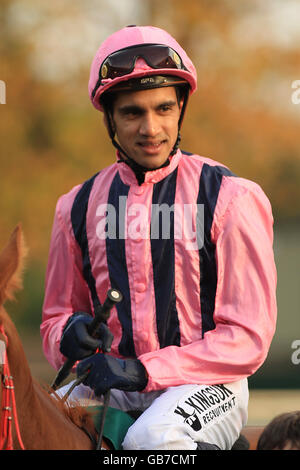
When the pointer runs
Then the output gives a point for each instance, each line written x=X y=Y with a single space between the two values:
x=106 y=372
x=76 y=343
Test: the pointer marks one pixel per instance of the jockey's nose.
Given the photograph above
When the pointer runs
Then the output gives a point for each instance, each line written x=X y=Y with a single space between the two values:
x=150 y=125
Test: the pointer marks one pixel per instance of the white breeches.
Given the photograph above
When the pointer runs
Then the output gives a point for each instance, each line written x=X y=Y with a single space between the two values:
x=177 y=418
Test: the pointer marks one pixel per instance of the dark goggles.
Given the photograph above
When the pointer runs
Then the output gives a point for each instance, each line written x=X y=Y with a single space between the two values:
x=122 y=62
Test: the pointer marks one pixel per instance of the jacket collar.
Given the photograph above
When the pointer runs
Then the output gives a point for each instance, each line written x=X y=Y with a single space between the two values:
x=154 y=176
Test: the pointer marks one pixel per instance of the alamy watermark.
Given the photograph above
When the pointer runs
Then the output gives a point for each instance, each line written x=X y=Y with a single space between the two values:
x=295 y=358
x=178 y=221
x=295 y=97
x=2 y=92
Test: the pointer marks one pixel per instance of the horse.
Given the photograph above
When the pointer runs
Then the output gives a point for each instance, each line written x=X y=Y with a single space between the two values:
x=31 y=417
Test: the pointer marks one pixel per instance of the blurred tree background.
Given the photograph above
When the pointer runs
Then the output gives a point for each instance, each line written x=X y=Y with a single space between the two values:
x=247 y=58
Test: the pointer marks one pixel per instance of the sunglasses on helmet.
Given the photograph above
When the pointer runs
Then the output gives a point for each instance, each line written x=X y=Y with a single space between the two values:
x=122 y=62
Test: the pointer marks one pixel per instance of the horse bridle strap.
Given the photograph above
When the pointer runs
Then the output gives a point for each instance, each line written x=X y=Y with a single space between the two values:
x=9 y=408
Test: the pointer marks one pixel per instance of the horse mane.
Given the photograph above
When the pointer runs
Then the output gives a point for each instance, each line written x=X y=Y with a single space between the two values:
x=12 y=266
x=78 y=414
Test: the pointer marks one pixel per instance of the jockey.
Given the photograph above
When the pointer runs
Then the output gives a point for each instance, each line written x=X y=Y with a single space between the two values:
x=186 y=242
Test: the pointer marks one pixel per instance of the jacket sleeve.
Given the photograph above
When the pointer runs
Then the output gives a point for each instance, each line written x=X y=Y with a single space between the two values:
x=65 y=289
x=245 y=304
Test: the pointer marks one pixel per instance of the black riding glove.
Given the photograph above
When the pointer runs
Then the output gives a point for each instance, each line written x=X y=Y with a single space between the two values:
x=106 y=372
x=76 y=343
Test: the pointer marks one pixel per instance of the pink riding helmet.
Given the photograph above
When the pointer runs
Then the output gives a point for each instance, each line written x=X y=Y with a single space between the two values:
x=135 y=36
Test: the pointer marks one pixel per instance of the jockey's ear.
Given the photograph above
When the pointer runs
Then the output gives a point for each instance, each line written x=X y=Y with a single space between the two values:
x=109 y=123
x=181 y=104
x=105 y=120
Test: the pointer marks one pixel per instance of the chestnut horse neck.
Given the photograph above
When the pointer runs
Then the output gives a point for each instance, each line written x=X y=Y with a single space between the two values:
x=11 y=264
x=45 y=423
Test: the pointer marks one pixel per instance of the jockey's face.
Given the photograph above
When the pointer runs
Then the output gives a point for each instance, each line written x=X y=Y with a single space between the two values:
x=146 y=124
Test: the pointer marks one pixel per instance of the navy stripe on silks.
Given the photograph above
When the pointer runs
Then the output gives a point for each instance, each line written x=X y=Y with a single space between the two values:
x=209 y=187
x=78 y=219
x=117 y=266
x=163 y=261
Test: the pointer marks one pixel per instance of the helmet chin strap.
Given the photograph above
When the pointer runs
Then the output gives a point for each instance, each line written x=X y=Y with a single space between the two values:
x=140 y=170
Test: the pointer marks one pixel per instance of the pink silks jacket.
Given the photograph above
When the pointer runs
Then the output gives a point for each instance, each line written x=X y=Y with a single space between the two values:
x=191 y=252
